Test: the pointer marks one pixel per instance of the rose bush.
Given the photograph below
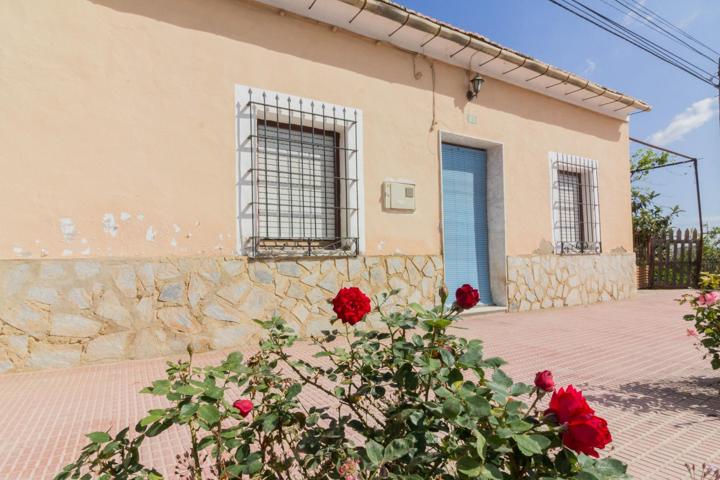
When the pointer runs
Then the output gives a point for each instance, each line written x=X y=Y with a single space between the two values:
x=408 y=401
x=706 y=316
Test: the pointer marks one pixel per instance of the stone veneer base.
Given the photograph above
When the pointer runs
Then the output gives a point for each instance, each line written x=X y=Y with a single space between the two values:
x=61 y=313
x=546 y=281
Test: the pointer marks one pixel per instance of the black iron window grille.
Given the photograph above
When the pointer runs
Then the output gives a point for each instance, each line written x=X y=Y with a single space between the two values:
x=576 y=208
x=303 y=172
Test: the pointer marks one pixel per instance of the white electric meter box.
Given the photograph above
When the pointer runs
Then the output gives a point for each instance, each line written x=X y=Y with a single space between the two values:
x=399 y=196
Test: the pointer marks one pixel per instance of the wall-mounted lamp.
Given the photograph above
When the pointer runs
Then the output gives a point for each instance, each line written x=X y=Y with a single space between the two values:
x=475 y=85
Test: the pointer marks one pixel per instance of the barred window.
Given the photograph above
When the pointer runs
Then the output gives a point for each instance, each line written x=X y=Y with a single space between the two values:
x=576 y=213
x=299 y=176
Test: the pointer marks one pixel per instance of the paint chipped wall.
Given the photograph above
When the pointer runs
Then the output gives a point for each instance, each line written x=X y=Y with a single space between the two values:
x=61 y=313
x=118 y=128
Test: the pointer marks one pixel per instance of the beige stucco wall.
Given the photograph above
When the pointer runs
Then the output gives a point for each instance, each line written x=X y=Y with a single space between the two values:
x=125 y=107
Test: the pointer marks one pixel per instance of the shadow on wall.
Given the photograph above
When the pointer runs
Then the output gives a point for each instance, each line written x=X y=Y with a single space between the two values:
x=694 y=394
x=228 y=19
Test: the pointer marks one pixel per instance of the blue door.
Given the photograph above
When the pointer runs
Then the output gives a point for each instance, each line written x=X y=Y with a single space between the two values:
x=465 y=226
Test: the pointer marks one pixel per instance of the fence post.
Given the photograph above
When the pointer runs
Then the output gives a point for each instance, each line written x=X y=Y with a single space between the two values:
x=651 y=261
x=698 y=257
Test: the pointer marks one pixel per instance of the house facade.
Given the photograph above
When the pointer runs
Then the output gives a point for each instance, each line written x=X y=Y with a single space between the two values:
x=174 y=169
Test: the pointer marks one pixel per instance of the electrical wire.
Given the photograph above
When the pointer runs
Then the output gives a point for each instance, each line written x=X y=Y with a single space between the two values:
x=592 y=16
x=650 y=23
x=674 y=27
x=650 y=13
x=648 y=43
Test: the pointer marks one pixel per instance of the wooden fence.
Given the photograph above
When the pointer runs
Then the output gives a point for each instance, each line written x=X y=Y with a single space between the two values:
x=670 y=261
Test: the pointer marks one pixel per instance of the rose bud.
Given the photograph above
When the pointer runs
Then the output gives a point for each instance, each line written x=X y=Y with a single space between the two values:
x=544 y=381
x=243 y=406
x=466 y=297
x=443 y=292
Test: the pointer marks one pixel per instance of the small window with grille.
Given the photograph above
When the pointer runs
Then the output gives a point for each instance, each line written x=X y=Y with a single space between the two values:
x=575 y=205
x=299 y=176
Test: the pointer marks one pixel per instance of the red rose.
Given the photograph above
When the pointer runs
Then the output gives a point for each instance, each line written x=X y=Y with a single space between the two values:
x=351 y=305
x=466 y=297
x=568 y=403
x=243 y=406
x=544 y=381
x=585 y=433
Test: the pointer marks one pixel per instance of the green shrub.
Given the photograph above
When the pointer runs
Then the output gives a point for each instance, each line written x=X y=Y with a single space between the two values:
x=706 y=316
x=420 y=402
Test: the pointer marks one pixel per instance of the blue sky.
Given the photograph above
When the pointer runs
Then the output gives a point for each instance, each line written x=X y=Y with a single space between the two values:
x=683 y=118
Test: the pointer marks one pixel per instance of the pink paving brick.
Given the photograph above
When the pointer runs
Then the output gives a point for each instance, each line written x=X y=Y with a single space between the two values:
x=632 y=358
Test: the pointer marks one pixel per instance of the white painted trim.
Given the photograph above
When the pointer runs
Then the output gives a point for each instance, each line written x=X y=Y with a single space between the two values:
x=483 y=310
x=244 y=114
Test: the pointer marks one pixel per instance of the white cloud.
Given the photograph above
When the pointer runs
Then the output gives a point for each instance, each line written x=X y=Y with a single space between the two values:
x=630 y=16
x=590 y=66
x=685 y=22
x=695 y=116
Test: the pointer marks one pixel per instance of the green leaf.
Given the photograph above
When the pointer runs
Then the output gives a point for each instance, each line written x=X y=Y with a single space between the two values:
x=99 y=437
x=397 y=448
x=417 y=308
x=110 y=449
x=472 y=467
x=491 y=472
x=269 y=422
x=374 y=452
x=187 y=390
x=501 y=378
x=527 y=445
x=519 y=426
x=255 y=466
x=473 y=354
x=188 y=410
x=541 y=440
x=154 y=416
x=478 y=406
x=209 y=413
x=520 y=389
x=293 y=391
x=451 y=408
x=159 y=387
x=214 y=392
x=480 y=443
x=158 y=427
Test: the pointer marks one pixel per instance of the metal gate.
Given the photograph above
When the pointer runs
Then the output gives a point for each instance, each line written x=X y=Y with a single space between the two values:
x=674 y=259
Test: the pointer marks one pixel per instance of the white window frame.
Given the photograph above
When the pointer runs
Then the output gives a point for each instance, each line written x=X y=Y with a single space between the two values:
x=351 y=136
x=588 y=170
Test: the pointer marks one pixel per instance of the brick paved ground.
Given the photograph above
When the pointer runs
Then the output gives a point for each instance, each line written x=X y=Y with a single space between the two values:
x=633 y=359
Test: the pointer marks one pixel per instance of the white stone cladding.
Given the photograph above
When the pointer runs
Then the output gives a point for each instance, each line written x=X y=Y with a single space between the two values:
x=546 y=281
x=60 y=313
